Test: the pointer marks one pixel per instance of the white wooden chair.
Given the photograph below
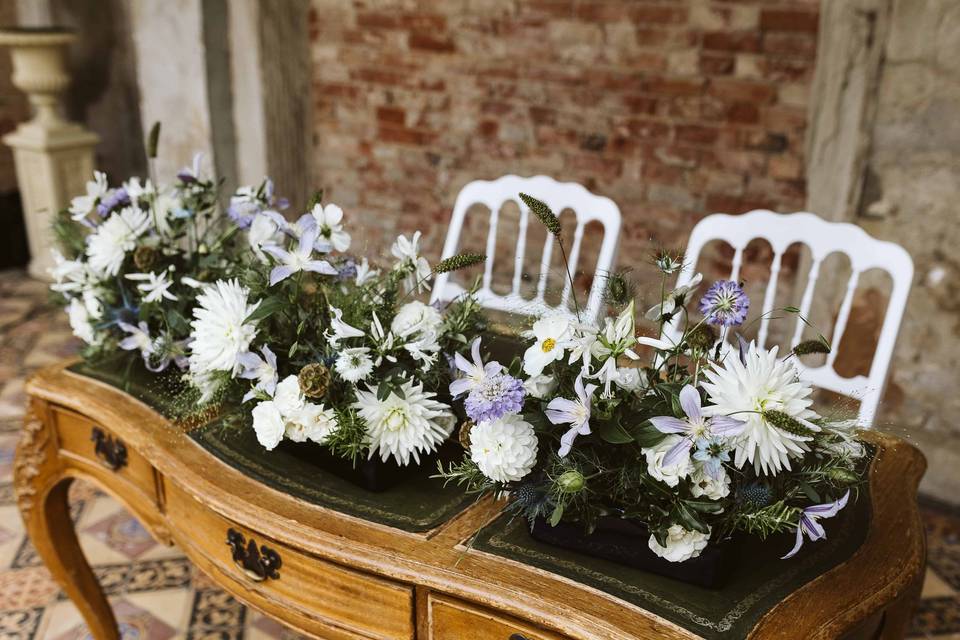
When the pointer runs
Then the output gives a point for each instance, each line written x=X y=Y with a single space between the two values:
x=559 y=196
x=823 y=238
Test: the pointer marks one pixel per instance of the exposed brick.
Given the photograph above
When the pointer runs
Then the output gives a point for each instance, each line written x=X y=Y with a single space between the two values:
x=734 y=89
x=789 y=20
x=696 y=134
x=391 y=115
x=794 y=44
x=657 y=13
x=732 y=40
x=714 y=64
x=429 y=42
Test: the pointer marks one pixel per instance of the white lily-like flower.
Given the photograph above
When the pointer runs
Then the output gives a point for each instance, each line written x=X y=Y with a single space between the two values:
x=553 y=335
x=617 y=337
x=365 y=273
x=576 y=413
x=673 y=301
x=340 y=330
x=407 y=253
x=82 y=206
x=154 y=287
x=297 y=260
x=329 y=221
x=263 y=370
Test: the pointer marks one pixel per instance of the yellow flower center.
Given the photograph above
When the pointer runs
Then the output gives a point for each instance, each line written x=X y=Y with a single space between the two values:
x=548 y=345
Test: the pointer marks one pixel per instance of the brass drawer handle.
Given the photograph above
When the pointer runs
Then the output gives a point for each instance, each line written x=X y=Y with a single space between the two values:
x=258 y=564
x=111 y=451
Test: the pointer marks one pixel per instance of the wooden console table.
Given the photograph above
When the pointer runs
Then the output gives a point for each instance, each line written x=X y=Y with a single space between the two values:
x=336 y=576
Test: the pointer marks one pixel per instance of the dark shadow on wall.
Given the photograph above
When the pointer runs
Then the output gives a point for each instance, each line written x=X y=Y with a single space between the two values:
x=104 y=94
x=13 y=241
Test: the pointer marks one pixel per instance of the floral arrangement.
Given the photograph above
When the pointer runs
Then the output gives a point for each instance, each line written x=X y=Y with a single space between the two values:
x=133 y=258
x=323 y=347
x=697 y=442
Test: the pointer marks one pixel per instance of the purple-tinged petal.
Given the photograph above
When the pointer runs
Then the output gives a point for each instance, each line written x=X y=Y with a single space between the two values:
x=812 y=528
x=320 y=266
x=830 y=509
x=462 y=363
x=279 y=220
x=726 y=426
x=460 y=387
x=305 y=245
x=742 y=347
x=690 y=401
x=566 y=442
x=669 y=424
x=578 y=387
x=128 y=344
x=279 y=253
x=270 y=357
x=676 y=452
x=280 y=273
x=797 y=546
x=475 y=352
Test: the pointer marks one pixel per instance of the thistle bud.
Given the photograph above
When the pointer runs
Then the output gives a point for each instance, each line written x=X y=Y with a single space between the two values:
x=314 y=379
x=464 y=435
x=571 y=481
x=145 y=258
x=620 y=289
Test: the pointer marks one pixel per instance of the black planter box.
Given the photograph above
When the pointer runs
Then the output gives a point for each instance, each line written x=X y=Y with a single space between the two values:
x=626 y=542
x=374 y=474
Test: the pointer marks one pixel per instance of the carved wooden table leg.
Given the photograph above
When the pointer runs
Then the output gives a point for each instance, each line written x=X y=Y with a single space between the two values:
x=42 y=498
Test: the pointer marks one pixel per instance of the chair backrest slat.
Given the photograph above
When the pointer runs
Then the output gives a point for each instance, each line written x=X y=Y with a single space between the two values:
x=769 y=297
x=823 y=238
x=559 y=196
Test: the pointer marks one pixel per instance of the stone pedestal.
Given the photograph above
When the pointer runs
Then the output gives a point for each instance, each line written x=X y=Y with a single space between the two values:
x=53 y=157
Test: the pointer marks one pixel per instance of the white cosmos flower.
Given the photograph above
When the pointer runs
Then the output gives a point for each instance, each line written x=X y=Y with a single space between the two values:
x=354 y=364
x=82 y=206
x=746 y=389
x=109 y=244
x=154 y=287
x=330 y=226
x=311 y=422
x=407 y=253
x=404 y=427
x=552 y=338
x=682 y=545
x=505 y=450
x=268 y=423
x=220 y=332
x=668 y=474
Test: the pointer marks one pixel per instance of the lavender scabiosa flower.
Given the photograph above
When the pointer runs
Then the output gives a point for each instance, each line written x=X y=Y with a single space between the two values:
x=472 y=375
x=725 y=303
x=809 y=522
x=114 y=200
x=495 y=397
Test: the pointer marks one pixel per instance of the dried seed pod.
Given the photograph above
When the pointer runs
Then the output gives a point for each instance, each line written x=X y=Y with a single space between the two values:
x=314 y=379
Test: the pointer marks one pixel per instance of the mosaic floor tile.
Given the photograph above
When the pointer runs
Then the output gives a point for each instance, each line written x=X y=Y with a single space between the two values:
x=25 y=588
x=123 y=533
x=20 y=624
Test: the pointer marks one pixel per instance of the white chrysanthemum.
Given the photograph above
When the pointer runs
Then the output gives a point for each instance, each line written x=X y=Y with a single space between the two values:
x=311 y=422
x=505 y=450
x=220 y=333
x=681 y=544
x=109 y=244
x=69 y=275
x=672 y=474
x=82 y=206
x=744 y=391
x=354 y=364
x=404 y=426
x=268 y=424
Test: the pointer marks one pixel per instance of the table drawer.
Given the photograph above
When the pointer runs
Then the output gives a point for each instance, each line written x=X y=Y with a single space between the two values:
x=103 y=453
x=452 y=619
x=273 y=576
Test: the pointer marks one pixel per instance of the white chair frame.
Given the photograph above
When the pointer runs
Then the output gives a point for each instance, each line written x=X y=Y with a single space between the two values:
x=558 y=196
x=823 y=238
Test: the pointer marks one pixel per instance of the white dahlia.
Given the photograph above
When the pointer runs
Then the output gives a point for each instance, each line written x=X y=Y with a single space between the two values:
x=404 y=426
x=220 y=332
x=505 y=450
x=744 y=390
x=109 y=244
x=681 y=544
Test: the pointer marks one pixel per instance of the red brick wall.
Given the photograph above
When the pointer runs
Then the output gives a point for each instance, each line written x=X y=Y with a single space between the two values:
x=673 y=108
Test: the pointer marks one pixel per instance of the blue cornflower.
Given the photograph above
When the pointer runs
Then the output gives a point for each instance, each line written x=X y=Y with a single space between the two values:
x=496 y=396
x=725 y=303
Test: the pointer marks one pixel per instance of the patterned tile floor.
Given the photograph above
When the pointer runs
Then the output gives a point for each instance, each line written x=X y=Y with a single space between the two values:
x=155 y=591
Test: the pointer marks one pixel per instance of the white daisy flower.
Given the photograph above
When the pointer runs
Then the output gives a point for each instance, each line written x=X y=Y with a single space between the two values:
x=354 y=364
x=552 y=338
x=109 y=244
x=404 y=427
x=505 y=450
x=329 y=221
x=682 y=545
x=82 y=206
x=745 y=389
x=220 y=332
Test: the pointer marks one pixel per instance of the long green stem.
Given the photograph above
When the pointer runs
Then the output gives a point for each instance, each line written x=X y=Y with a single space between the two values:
x=566 y=267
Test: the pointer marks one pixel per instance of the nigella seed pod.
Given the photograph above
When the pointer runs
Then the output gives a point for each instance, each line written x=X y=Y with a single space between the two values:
x=842 y=476
x=314 y=380
x=145 y=258
x=464 y=436
x=571 y=481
